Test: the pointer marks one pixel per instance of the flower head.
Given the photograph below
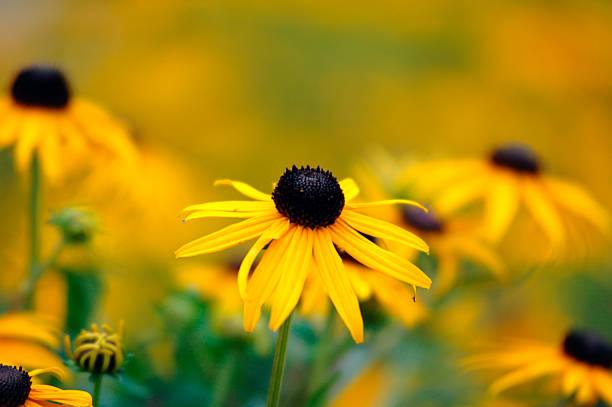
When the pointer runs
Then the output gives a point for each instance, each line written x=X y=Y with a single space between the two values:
x=97 y=350
x=299 y=225
x=41 y=117
x=582 y=361
x=511 y=176
x=17 y=389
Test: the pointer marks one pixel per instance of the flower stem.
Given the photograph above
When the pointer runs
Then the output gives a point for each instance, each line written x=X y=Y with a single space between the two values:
x=224 y=380
x=278 y=365
x=321 y=358
x=97 y=388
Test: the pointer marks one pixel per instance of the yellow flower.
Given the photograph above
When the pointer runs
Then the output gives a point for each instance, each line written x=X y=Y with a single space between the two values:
x=510 y=176
x=308 y=212
x=17 y=389
x=41 y=117
x=451 y=240
x=27 y=340
x=582 y=363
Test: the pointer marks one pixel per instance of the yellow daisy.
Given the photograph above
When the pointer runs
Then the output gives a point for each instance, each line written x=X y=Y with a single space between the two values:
x=41 y=117
x=299 y=223
x=17 y=389
x=582 y=363
x=451 y=240
x=511 y=175
x=28 y=340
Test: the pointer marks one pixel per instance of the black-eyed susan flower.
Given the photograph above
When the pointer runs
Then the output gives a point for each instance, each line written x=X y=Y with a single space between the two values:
x=28 y=340
x=307 y=213
x=582 y=363
x=17 y=389
x=40 y=116
x=451 y=240
x=99 y=350
x=511 y=176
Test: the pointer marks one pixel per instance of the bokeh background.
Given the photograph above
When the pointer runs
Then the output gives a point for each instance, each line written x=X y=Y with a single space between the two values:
x=243 y=89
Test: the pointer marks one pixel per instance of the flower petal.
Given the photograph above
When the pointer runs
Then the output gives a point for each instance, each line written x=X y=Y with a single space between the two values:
x=384 y=230
x=373 y=256
x=501 y=204
x=296 y=265
x=543 y=212
x=275 y=231
x=337 y=284
x=245 y=189
x=227 y=237
x=385 y=202
x=349 y=189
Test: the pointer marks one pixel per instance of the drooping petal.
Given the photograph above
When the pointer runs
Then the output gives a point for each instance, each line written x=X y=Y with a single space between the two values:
x=296 y=266
x=49 y=396
x=26 y=144
x=525 y=374
x=373 y=256
x=227 y=237
x=275 y=231
x=384 y=230
x=544 y=212
x=337 y=284
x=575 y=199
x=501 y=204
x=264 y=280
x=349 y=189
x=461 y=194
x=245 y=189
x=374 y=204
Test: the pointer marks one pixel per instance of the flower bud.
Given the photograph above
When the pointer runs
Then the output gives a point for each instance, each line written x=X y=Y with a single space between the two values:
x=75 y=225
x=98 y=350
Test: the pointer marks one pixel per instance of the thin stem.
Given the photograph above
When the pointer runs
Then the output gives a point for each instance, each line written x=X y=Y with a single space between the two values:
x=278 y=366
x=224 y=380
x=97 y=388
x=35 y=182
x=322 y=353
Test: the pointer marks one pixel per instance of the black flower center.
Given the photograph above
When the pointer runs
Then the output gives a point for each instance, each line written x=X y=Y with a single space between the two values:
x=518 y=158
x=308 y=196
x=41 y=86
x=15 y=384
x=421 y=220
x=589 y=348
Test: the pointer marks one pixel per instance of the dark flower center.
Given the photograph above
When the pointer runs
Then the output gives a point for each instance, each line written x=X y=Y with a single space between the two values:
x=589 y=348
x=41 y=86
x=15 y=384
x=518 y=158
x=309 y=197
x=421 y=220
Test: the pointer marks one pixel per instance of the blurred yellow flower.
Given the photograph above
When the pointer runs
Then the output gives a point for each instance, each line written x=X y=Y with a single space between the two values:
x=512 y=175
x=41 y=117
x=308 y=212
x=27 y=340
x=17 y=389
x=582 y=363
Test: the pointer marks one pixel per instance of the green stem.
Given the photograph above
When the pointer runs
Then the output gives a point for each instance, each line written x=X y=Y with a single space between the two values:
x=97 y=389
x=35 y=182
x=321 y=358
x=224 y=380
x=278 y=366
x=30 y=284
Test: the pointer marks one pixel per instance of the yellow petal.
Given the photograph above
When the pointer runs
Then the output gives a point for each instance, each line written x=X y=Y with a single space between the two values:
x=525 y=374
x=374 y=204
x=245 y=189
x=275 y=231
x=264 y=280
x=448 y=267
x=501 y=205
x=349 y=189
x=479 y=253
x=577 y=200
x=295 y=270
x=227 y=237
x=543 y=211
x=373 y=256
x=337 y=284
x=384 y=230
x=602 y=379
x=26 y=144
x=461 y=194
x=230 y=209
